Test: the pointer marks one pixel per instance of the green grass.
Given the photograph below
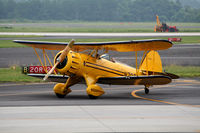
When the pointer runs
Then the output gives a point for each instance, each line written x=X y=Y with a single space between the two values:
x=80 y=30
x=184 y=71
x=14 y=74
x=189 y=40
x=18 y=36
x=91 y=30
x=10 y=43
x=68 y=26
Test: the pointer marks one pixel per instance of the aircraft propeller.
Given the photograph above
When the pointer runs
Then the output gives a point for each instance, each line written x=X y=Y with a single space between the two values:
x=60 y=58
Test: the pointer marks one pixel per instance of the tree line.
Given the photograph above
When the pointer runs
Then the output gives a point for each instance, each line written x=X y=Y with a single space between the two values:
x=98 y=10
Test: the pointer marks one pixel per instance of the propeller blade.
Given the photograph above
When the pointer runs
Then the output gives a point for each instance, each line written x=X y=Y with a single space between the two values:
x=50 y=72
x=65 y=51
x=61 y=58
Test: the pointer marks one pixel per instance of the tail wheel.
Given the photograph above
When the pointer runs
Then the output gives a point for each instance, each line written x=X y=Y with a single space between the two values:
x=146 y=90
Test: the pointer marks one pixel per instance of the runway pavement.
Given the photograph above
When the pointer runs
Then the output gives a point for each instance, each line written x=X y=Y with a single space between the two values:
x=179 y=92
x=35 y=108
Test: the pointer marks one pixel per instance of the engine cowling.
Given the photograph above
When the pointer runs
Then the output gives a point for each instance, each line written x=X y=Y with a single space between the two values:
x=70 y=65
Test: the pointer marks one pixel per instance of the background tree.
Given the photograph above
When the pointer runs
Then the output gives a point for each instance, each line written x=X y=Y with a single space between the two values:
x=99 y=10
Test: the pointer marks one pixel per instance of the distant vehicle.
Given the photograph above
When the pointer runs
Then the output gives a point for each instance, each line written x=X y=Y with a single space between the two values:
x=164 y=27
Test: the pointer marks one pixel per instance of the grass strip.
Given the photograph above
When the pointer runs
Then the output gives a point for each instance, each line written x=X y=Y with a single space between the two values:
x=10 y=44
x=19 y=36
x=14 y=74
x=184 y=71
x=68 y=26
x=79 y=30
x=91 y=30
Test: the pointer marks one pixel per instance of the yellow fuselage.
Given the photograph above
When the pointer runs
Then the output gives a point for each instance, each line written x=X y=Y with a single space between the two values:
x=92 y=68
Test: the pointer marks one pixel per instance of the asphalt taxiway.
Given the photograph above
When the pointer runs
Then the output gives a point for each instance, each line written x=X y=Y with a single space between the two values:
x=185 y=92
x=34 y=108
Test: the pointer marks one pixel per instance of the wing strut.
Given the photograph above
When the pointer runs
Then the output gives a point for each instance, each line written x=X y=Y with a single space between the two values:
x=39 y=58
x=136 y=63
x=45 y=63
x=147 y=67
x=46 y=57
x=143 y=57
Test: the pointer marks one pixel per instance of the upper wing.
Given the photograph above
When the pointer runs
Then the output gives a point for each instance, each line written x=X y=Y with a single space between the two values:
x=136 y=80
x=120 y=46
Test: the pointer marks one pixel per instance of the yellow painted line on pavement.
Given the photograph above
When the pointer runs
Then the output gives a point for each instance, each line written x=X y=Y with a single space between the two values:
x=133 y=93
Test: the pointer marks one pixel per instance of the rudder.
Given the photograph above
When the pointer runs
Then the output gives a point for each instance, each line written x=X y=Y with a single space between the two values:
x=151 y=62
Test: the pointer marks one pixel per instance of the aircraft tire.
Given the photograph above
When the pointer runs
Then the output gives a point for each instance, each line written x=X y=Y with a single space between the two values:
x=92 y=97
x=146 y=90
x=60 y=95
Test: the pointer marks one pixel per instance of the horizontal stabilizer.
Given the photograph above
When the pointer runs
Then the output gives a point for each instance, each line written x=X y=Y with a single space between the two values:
x=136 y=80
x=171 y=75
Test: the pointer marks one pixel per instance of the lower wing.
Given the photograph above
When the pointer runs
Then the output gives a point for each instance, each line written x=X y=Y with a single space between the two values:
x=52 y=78
x=131 y=80
x=136 y=80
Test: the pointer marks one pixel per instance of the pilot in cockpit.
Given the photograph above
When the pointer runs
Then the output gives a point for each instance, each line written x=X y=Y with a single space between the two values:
x=107 y=57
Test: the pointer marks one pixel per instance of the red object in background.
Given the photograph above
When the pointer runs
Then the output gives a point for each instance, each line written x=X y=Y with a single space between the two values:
x=36 y=69
x=174 y=39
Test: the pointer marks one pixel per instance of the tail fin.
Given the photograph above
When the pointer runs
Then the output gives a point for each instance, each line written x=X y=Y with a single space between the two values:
x=151 y=62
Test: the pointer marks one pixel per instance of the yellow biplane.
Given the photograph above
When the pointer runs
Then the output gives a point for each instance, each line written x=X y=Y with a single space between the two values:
x=74 y=65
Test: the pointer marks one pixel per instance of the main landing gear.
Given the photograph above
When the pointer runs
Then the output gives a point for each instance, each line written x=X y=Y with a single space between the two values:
x=60 y=95
x=94 y=91
x=60 y=90
x=92 y=97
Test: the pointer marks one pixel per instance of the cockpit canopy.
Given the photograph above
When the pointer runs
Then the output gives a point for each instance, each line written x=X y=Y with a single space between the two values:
x=106 y=56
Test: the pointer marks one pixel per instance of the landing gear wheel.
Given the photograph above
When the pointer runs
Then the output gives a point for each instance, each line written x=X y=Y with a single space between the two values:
x=60 y=90
x=60 y=95
x=146 y=90
x=92 y=97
